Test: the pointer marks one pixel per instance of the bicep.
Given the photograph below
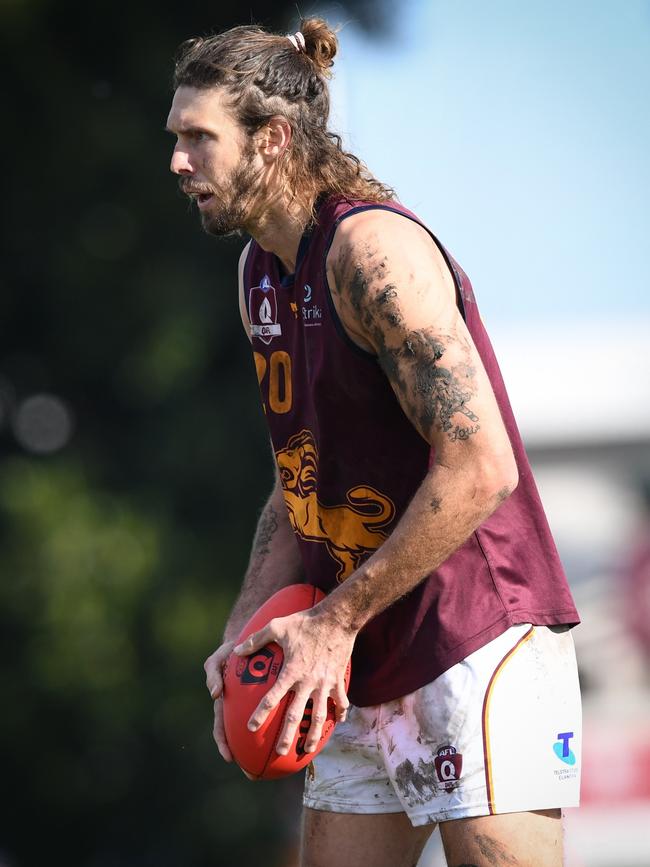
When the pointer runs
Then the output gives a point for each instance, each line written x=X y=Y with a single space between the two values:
x=438 y=377
x=402 y=296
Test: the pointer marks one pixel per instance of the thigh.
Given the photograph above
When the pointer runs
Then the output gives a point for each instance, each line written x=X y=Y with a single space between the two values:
x=357 y=840
x=531 y=839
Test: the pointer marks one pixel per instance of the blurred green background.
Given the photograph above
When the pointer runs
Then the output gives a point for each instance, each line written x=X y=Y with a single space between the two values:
x=134 y=457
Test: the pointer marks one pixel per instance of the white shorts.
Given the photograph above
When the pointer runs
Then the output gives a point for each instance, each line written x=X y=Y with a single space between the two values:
x=499 y=732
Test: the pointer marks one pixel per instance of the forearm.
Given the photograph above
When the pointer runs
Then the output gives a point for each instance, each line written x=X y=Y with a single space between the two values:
x=446 y=509
x=274 y=562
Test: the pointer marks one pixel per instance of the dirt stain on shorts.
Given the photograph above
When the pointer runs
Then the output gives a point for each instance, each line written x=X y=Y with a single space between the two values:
x=415 y=784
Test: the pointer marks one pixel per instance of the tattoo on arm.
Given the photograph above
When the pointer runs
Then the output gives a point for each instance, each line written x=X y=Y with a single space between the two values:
x=433 y=392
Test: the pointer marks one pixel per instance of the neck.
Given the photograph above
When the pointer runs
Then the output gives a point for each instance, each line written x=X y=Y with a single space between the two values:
x=279 y=230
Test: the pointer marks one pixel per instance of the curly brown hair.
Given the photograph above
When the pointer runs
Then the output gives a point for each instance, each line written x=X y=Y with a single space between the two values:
x=264 y=75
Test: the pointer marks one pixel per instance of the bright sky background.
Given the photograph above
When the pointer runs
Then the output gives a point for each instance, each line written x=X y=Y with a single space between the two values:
x=520 y=132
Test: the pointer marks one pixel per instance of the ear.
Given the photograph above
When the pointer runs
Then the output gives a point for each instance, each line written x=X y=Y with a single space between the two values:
x=275 y=138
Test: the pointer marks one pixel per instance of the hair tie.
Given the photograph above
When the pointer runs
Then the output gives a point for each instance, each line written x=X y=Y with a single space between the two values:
x=297 y=40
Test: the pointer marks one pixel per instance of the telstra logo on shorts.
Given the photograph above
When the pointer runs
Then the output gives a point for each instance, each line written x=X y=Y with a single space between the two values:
x=562 y=750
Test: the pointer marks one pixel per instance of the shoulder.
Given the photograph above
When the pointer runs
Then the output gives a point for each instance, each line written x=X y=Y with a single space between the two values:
x=391 y=228
x=380 y=220
x=378 y=248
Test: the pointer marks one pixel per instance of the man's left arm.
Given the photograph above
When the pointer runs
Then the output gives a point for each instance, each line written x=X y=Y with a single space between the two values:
x=394 y=293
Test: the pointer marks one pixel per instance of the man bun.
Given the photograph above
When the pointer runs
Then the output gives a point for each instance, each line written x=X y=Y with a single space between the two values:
x=320 y=43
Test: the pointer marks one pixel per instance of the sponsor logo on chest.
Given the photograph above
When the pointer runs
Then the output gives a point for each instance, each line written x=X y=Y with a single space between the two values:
x=312 y=314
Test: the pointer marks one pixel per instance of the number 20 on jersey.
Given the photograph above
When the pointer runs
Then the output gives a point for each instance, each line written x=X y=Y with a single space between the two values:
x=274 y=377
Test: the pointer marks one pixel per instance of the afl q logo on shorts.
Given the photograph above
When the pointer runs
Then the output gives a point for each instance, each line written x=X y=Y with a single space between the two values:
x=256 y=667
x=448 y=764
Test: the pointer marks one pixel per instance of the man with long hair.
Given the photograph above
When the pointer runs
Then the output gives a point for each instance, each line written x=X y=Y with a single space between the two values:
x=402 y=487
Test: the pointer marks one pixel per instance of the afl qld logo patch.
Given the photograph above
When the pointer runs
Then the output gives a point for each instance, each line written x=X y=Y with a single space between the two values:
x=448 y=764
x=263 y=311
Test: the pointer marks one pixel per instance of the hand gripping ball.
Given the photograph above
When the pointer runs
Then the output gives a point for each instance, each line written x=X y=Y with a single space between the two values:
x=248 y=678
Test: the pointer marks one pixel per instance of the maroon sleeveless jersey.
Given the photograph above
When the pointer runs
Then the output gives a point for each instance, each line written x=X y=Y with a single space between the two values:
x=350 y=461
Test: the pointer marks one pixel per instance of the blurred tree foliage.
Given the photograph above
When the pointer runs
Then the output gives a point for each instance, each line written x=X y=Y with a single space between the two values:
x=121 y=552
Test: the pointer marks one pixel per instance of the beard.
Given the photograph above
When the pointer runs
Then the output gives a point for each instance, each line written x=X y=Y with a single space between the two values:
x=233 y=202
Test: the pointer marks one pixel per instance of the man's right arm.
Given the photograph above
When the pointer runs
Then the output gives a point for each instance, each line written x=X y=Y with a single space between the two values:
x=275 y=558
x=274 y=563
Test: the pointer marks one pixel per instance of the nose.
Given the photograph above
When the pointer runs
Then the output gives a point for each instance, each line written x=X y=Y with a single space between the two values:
x=180 y=163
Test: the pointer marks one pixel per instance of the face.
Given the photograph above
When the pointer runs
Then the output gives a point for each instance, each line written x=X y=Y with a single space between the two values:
x=216 y=162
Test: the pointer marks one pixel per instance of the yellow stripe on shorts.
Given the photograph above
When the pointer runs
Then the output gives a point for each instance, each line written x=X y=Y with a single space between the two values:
x=489 y=783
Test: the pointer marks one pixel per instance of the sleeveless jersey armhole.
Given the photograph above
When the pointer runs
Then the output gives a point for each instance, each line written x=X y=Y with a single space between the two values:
x=330 y=301
x=243 y=279
x=340 y=328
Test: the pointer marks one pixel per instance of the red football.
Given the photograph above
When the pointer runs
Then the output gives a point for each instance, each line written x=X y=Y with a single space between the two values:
x=248 y=678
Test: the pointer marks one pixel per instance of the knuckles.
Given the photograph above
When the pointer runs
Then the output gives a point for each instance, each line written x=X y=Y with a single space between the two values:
x=216 y=659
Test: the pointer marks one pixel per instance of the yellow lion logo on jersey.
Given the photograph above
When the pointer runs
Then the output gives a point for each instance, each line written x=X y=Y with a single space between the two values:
x=349 y=531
